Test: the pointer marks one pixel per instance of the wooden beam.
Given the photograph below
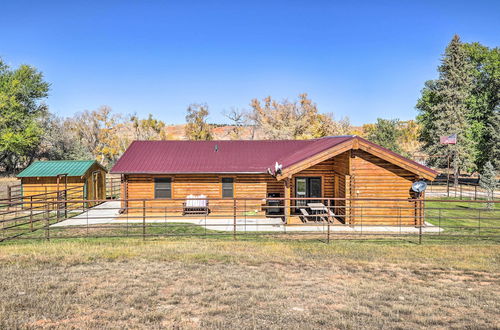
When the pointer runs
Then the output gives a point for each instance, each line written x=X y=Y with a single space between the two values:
x=316 y=159
x=287 y=199
x=355 y=143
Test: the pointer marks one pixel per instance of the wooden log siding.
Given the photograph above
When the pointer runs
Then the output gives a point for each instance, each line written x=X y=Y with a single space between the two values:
x=47 y=186
x=42 y=185
x=139 y=186
x=372 y=177
x=351 y=174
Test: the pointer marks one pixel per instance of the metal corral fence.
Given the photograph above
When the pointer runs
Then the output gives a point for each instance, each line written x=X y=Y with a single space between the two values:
x=466 y=189
x=240 y=218
x=15 y=191
x=113 y=186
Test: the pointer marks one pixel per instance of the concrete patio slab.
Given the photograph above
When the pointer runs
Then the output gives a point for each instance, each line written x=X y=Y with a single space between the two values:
x=108 y=213
x=100 y=214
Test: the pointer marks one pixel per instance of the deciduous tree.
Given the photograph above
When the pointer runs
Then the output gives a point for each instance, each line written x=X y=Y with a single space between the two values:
x=484 y=103
x=386 y=133
x=197 y=127
x=239 y=121
x=21 y=114
x=298 y=119
x=285 y=120
x=60 y=141
x=102 y=133
x=148 y=129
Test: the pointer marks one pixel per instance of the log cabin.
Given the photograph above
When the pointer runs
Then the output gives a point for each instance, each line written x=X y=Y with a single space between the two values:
x=348 y=168
x=83 y=179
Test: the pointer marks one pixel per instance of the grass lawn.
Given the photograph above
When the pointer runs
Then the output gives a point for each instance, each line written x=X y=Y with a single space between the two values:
x=192 y=283
x=464 y=218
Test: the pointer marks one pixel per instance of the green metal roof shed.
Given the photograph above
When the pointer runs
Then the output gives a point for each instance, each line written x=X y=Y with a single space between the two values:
x=52 y=168
x=84 y=179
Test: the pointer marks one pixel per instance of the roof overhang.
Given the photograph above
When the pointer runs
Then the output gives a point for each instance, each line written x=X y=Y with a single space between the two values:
x=354 y=144
x=316 y=159
x=173 y=173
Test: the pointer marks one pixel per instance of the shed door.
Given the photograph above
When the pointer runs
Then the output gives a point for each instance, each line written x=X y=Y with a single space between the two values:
x=96 y=186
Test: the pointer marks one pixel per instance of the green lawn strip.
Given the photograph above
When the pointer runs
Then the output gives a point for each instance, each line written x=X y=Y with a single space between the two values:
x=464 y=218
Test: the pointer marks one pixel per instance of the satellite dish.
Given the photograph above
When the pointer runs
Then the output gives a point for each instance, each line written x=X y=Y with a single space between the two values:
x=419 y=186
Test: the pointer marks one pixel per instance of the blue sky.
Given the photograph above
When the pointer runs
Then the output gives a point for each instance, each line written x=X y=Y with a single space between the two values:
x=358 y=59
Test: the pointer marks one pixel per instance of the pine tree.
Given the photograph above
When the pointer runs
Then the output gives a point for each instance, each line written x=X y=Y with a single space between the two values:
x=444 y=109
x=492 y=138
x=488 y=182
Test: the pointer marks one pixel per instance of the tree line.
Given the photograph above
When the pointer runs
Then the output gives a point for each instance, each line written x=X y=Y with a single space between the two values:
x=463 y=100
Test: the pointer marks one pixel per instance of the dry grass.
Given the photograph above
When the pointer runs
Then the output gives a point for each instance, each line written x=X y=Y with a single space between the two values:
x=216 y=284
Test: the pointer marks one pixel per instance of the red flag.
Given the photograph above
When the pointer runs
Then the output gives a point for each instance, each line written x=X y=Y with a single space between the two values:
x=452 y=139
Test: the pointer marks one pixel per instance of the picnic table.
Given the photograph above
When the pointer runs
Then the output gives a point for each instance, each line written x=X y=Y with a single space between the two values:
x=319 y=209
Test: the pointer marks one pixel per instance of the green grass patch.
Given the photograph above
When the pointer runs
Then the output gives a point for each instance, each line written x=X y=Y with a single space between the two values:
x=464 y=218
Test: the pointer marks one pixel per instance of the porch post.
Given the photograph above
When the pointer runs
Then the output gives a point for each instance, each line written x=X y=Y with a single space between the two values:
x=287 y=200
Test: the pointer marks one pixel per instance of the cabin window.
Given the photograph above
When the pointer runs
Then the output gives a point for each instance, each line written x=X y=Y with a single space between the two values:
x=163 y=188
x=227 y=187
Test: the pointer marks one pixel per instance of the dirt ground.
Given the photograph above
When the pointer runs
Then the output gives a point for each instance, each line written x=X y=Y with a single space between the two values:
x=209 y=284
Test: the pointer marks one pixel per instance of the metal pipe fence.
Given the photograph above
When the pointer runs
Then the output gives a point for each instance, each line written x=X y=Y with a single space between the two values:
x=113 y=186
x=465 y=190
x=244 y=218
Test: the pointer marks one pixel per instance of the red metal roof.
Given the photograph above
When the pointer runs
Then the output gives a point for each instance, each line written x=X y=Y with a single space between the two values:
x=241 y=156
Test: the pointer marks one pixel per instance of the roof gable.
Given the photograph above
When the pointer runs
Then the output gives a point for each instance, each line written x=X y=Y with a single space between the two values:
x=356 y=142
x=53 y=168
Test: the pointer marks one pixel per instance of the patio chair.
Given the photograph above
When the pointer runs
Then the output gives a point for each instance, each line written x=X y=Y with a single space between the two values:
x=305 y=216
x=329 y=214
x=195 y=205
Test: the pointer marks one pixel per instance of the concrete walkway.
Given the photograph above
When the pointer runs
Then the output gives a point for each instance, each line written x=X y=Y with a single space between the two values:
x=108 y=212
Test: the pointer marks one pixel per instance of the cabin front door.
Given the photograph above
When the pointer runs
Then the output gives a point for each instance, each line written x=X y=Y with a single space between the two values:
x=307 y=187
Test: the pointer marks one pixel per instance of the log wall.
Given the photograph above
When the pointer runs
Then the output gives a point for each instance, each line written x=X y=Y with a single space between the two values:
x=372 y=177
x=352 y=174
x=139 y=186
x=81 y=187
